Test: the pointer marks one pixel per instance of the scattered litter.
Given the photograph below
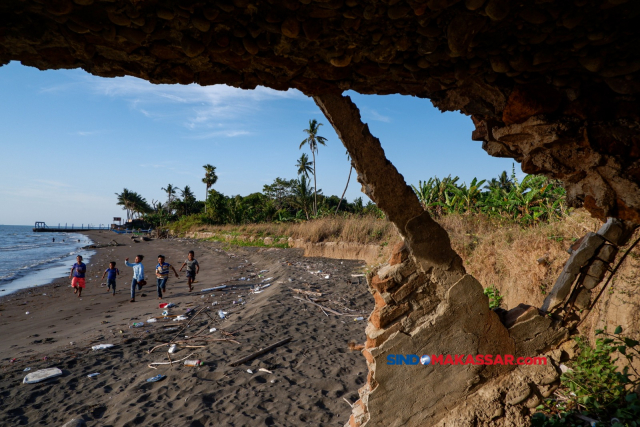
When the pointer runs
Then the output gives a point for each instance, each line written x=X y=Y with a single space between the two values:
x=137 y=325
x=250 y=371
x=13 y=360
x=262 y=271
x=27 y=312
x=167 y=305
x=267 y=279
x=101 y=346
x=166 y=313
x=222 y=314
x=26 y=369
x=156 y=378
x=41 y=375
x=265 y=370
x=358 y=318
x=95 y=374
x=214 y=303
x=213 y=289
x=179 y=318
x=45 y=358
x=152 y=320
x=172 y=349
x=193 y=363
x=72 y=343
x=212 y=330
x=172 y=328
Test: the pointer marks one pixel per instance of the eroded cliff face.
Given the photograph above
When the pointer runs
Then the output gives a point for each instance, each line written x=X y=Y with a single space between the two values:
x=553 y=85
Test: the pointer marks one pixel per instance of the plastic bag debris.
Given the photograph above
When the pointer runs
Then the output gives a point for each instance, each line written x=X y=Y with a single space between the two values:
x=152 y=320
x=172 y=349
x=101 y=346
x=156 y=378
x=222 y=314
x=250 y=371
x=180 y=318
x=212 y=330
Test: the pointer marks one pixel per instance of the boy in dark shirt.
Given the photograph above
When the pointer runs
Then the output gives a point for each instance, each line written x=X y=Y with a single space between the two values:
x=193 y=268
x=112 y=271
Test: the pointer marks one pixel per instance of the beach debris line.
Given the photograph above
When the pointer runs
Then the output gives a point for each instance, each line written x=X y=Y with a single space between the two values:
x=260 y=352
x=213 y=289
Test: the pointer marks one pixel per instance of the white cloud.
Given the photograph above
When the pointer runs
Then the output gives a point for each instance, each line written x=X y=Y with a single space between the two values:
x=372 y=114
x=198 y=108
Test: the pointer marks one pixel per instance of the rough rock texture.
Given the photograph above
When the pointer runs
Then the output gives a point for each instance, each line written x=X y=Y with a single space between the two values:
x=554 y=85
x=425 y=302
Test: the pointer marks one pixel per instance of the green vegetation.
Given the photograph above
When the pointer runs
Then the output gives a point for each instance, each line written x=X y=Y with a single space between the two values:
x=495 y=299
x=535 y=199
x=595 y=387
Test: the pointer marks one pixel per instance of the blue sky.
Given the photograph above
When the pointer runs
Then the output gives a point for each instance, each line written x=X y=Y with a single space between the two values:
x=71 y=140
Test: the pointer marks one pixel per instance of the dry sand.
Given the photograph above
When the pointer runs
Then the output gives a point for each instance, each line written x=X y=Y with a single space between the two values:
x=312 y=374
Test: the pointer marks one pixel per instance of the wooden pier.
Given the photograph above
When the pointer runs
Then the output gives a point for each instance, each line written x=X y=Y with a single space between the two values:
x=41 y=227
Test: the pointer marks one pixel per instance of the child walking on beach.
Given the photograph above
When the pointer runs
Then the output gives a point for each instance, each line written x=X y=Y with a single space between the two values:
x=77 y=272
x=112 y=271
x=162 y=273
x=138 y=275
x=193 y=268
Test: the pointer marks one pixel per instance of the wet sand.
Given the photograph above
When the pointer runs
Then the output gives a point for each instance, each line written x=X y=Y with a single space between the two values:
x=311 y=375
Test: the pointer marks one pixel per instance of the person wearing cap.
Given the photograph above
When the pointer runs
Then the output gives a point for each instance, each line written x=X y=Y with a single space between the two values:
x=162 y=273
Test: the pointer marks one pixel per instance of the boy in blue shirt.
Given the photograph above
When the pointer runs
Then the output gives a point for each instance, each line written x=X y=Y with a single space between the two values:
x=77 y=272
x=138 y=275
x=162 y=273
x=112 y=271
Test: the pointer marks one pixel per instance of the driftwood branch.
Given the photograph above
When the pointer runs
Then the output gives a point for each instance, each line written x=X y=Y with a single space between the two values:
x=260 y=352
x=337 y=313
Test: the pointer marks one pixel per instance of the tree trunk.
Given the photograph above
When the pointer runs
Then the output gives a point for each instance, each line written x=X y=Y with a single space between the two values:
x=315 y=187
x=206 y=196
x=345 y=189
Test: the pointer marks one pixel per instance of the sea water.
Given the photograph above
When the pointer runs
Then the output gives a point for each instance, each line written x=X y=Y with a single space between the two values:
x=32 y=259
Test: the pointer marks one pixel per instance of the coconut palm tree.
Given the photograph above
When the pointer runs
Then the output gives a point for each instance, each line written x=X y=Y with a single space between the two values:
x=302 y=195
x=304 y=165
x=313 y=139
x=348 y=179
x=126 y=200
x=171 y=193
x=210 y=178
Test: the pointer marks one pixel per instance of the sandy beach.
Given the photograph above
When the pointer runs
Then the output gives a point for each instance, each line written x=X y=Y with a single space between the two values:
x=311 y=376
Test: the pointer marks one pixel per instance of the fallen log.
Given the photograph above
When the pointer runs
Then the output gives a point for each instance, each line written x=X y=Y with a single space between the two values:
x=260 y=352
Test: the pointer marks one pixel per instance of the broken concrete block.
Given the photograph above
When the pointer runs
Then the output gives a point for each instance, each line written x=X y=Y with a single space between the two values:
x=607 y=253
x=376 y=336
x=613 y=230
x=583 y=300
x=578 y=259
x=597 y=269
x=519 y=314
x=590 y=282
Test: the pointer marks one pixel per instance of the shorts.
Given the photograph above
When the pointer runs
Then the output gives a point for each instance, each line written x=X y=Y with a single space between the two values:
x=77 y=282
x=191 y=274
x=111 y=283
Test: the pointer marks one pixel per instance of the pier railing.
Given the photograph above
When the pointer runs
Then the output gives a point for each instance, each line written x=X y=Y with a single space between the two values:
x=42 y=227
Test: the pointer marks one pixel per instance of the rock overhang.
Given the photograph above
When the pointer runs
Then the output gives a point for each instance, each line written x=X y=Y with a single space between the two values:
x=553 y=85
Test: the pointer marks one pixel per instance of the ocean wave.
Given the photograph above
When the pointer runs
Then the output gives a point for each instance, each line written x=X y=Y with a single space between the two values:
x=36 y=266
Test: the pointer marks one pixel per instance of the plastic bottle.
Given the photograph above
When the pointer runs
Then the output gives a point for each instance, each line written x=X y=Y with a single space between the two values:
x=137 y=325
x=193 y=363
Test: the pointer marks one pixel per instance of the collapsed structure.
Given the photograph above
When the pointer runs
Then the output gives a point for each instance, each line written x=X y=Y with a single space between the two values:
x=553 y=85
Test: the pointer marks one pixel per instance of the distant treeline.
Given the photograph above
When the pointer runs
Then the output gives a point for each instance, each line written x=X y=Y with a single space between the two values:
x=534 y=199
